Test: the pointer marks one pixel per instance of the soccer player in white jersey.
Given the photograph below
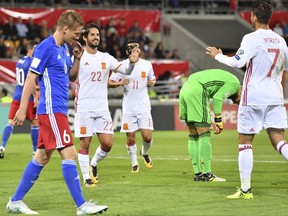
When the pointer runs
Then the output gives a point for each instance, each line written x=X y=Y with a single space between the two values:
x=92 y=116
x=52 y=66
x=136 y=106
x=262 y=100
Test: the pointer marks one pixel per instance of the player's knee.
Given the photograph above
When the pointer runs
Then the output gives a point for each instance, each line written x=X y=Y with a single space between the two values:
x=106 y=147
x=147 y=139
x=131 y=138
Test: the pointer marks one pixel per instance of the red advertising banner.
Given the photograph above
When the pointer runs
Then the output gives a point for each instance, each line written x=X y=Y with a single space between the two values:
x=277 y=16
x=148 y=20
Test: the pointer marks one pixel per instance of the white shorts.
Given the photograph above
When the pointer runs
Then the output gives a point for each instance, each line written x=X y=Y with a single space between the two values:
x=133 y=122
x=252 y=119
x=88 y=123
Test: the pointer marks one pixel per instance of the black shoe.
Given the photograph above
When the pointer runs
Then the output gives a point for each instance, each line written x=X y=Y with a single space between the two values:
x=198 y=177
x=1 y=153
x=89 y=183
x=93 y=174
x=147 y=160
x=209 y=177
x=135 y=169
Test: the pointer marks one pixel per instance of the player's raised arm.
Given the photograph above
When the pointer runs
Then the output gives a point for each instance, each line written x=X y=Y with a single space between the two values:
x=133 y=51
x=77 y=52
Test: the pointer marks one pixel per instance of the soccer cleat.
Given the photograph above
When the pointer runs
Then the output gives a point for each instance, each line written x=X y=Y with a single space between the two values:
x=240 y=194
x=1 y=153
x=19 y=207
x=210 y=177
x=198 y=177
x=135 y=169
x=147 y=160
x=93 y=174
x=89 y=183
x=89 y=208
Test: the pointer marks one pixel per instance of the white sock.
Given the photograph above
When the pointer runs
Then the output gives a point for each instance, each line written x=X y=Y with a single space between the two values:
x=145 y=147
x=245 y=162
x=84 y=165
x=99 y=155
x=282 y=148
x=132 y=152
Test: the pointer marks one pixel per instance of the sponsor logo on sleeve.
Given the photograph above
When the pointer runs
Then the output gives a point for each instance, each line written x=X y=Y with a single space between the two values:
x=239 y=52
x=35 y=62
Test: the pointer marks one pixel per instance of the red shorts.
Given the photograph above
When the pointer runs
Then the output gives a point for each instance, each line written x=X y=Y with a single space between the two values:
x=54 y=131
x=30 y=113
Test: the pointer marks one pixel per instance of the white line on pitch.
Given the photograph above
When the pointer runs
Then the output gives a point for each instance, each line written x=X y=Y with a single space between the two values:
x=187 y=158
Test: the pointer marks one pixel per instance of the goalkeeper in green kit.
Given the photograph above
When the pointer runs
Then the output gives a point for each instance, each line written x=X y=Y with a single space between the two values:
x=194 y=108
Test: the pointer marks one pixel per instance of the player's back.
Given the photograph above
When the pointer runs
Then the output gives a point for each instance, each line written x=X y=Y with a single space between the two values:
x=22 y=69
x=212 y=80
x=262 y=81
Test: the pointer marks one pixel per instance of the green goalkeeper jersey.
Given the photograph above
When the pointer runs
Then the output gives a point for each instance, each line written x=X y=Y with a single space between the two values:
x=208 y=84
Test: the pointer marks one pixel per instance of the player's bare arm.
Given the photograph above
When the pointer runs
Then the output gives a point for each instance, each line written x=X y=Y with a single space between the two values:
x=213 y=51
x=114 y=84
x=28 y=89
x=151 y=82
x=77 y=52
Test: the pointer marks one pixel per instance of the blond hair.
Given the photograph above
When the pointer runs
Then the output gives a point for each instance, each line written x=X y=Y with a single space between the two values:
x=71 y=19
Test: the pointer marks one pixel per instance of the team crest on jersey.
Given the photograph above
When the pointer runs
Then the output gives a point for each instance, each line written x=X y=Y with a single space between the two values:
x=82 y=130
x=143 y=74
x=125 y=126
x=103 y=65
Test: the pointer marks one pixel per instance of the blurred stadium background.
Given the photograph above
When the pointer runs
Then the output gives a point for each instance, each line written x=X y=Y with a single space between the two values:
x=173 y=35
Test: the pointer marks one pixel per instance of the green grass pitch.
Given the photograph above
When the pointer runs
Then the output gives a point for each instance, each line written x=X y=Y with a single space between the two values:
x=167 y=189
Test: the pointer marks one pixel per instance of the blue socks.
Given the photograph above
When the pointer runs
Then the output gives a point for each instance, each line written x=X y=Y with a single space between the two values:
x=8 y=130
x=70 y=174
x=72 y=180
x=30 y=175
x=34 y=137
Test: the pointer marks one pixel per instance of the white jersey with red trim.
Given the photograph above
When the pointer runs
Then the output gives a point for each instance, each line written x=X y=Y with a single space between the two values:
x=136 y=97
x=92 y=89
x=266 y=57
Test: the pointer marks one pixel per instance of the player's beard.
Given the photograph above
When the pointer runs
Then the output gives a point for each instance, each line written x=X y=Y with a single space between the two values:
x=92 y=45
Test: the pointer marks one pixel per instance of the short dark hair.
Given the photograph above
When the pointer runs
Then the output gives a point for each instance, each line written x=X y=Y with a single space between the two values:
x=85 y=30
x=129 y=47
x=5 y=91
x=30 y=45
x=262 y=10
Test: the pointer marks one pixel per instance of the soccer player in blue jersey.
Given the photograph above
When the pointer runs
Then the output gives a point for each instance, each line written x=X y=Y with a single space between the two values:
x=52 y=66
x=22 y=68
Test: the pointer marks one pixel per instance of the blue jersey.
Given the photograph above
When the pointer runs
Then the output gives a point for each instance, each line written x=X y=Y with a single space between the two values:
x=22 y=68
x=52 y=63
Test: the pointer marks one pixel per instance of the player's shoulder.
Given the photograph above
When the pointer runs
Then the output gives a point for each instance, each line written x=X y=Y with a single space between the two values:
x=45 y=45
x=104 y=54
x=145 y=62
x=24 y=60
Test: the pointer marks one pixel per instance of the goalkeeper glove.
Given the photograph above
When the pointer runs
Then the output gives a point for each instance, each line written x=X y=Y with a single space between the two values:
x=218 y=124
